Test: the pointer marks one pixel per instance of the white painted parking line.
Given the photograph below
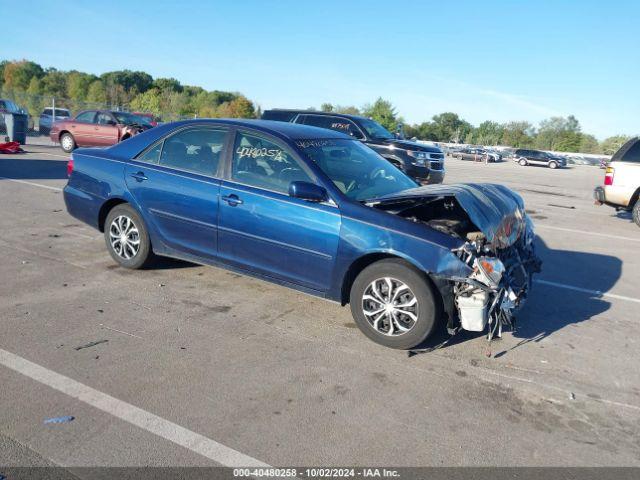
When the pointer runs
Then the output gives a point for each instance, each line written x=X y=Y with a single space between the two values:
x=597 y=293
x=57 y=189
x=582 y=232
x=52 y=154
x=129 y=413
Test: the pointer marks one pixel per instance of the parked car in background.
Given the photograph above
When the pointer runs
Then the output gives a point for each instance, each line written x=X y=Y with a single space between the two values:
x=315 y=210
x=424 y=163
x=48 y=117
x=621 y=188
x=537 y=157
x=153 y=119
x=97 y=128
x=477 y=154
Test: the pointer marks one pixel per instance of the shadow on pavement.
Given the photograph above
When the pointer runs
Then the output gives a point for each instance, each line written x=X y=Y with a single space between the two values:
x=28 y=169
x=548 y=308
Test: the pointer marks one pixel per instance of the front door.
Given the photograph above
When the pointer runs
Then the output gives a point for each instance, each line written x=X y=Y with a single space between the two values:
x=262 y=228
x=83 y=128
x=105 y=132
x=176 y=184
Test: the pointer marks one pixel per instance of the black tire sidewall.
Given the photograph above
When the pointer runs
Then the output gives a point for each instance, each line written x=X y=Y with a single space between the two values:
x=145 y=254
x=635 y=213
x=419 y=284
x=62 y=144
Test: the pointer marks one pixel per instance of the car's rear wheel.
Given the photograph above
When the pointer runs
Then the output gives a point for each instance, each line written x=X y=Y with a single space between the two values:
x=393 y=304
x=635 y=212
x=523 y=162
x=127 y=238
x=553 y=165
x=67 y=142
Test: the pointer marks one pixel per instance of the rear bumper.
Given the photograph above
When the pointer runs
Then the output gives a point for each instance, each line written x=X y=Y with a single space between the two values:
x=82 y=206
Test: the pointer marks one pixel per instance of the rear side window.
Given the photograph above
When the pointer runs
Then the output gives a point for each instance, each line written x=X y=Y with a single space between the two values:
x=86 y=117
x=152 y=155
x=260 y=163
x=632 y=154
x=196 y=150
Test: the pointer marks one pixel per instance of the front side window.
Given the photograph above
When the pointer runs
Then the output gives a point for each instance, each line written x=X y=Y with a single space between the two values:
x=196 y=150
x=375 y=130
x=104 y=119
x=358 y=172
x=86 y=117
x=261 y=163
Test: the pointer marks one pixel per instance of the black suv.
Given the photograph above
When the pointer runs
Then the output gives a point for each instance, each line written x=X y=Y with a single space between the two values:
x=424 y=163
x=537 y=157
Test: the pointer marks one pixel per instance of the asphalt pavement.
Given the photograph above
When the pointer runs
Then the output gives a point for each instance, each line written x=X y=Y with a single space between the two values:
x=197 y=366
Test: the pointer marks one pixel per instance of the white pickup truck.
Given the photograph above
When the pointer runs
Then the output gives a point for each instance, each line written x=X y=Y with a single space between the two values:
x=622 y=180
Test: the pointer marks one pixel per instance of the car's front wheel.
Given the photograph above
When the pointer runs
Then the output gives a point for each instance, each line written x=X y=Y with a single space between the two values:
x=67 y=142
x=127 y=239
x=393 y=304
x=523 y=162
x=553 y=165
x=635 y=212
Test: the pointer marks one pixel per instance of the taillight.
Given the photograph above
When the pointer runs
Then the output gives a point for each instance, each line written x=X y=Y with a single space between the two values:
x=608 y=176
x=69 y=167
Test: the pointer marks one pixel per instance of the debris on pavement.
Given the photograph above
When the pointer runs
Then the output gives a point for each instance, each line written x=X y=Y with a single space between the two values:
x=64 y=419
x=91 y=344
x=11 y=148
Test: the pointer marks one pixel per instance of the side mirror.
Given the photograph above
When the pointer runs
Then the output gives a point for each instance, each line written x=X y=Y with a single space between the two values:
x=307 y=191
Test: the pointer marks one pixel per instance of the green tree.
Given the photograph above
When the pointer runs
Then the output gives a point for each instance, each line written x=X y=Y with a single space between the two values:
x=149 y=101
x=448 y=127
x=326 y=107
x=54 y=84
x=518 y=134
x=588 y=144
x=611 y=145
x=169 y=84
x=17 y=75
x=487 y=133
x=78 y=85
x=239 y=107
x=96 y=92
x=347 y=109
x=559 y=133
x=384 y=113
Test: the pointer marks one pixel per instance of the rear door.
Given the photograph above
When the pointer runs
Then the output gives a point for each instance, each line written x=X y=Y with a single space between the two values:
x=176 y=185
x=261 y=228
x=106 y=131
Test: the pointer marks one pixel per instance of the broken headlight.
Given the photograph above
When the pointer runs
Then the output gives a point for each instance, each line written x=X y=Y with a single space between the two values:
x=489 y=271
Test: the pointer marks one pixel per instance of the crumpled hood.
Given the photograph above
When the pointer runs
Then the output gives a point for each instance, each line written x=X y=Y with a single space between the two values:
x=495 y=209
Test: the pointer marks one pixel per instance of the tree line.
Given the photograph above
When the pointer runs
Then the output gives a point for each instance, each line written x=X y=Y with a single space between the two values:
x=33 y=86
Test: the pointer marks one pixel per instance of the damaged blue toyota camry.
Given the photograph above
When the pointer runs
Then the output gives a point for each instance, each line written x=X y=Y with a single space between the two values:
x=315 y=210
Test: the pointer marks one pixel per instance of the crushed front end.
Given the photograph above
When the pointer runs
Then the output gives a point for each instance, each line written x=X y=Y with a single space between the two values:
x=487 y=277
x=499 y=283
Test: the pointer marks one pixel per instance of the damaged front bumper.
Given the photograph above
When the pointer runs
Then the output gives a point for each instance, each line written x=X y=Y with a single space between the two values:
x=498 y=285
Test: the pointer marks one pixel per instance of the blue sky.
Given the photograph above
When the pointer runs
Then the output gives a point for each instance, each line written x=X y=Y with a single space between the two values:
x=508 y=60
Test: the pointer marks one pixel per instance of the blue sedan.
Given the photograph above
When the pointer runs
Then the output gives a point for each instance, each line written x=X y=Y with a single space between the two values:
x=314 y=210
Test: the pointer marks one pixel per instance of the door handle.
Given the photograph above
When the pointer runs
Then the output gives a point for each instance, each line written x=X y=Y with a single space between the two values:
x=232 y=200
x=139 y=176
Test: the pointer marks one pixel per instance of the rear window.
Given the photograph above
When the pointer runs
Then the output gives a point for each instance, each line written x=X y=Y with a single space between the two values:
x=629 y=152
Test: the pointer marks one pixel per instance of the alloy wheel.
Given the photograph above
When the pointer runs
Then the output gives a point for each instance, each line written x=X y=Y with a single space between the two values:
x=390 y=307
x=124 y=237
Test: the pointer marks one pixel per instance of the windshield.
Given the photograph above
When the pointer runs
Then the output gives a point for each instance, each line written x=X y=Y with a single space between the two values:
x=357 y=171
x=374 y=129
x=130 y=119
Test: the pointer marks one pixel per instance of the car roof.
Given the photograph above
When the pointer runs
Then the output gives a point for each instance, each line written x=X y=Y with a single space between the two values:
x=283 y=130
x=291 y=131
x=315 y=112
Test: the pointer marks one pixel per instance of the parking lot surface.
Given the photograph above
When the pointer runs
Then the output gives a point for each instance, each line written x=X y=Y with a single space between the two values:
x=194 y=365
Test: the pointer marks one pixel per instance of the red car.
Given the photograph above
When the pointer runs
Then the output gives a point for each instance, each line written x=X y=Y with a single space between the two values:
x=97 y=128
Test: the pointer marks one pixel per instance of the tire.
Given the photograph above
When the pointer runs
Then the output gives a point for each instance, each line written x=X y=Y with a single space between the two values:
x=118 y=221
x=425 y=310
x=523 y=162
x=67 y=142
x=553 y=165
x=635 y=212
